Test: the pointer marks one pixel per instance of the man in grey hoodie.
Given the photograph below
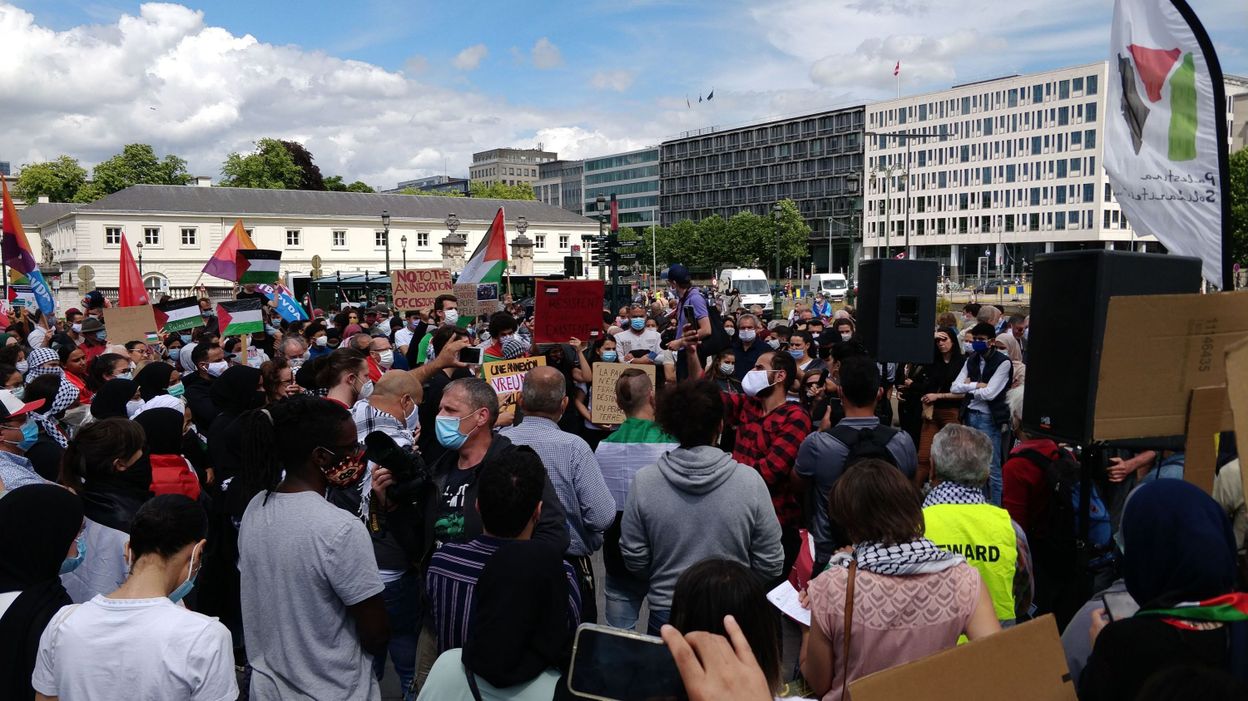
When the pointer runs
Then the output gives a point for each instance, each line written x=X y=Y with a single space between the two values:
x=698 y=503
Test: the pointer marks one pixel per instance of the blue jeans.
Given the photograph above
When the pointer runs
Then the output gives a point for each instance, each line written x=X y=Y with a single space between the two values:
x=658 y=617
x=984 y=424
x=402 y=598
x=624 y=597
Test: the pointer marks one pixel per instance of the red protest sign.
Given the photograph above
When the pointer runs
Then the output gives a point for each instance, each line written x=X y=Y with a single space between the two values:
x=566 y=309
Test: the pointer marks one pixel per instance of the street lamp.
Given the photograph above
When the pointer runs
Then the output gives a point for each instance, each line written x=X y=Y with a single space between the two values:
x=775 y=219
x=403 y=245
x=905 y=170
x=385 y=223
x=139 y=246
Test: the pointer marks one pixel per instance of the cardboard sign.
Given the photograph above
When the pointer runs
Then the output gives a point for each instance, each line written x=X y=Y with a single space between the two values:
x=507 y=379
x=1237 y=389
x=125 y=324
x=1023 y=663
x=567 y=309
x=604 y=407
x=1149 y=369
x=417 y=288
x=22 y=296
x=476 y=298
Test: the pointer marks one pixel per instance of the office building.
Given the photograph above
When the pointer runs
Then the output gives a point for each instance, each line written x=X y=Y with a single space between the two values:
x=509 y=165
x=559 y=184
x=633 y=177
x=814 y=160
x=433 y=183
x=1236 y=111
x=4 y=169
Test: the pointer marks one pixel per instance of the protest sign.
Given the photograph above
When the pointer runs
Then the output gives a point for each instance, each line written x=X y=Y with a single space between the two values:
x=566 y=309
x=604 y=408
x=22 y=296
x=507 y=379
x=474 y=299
x=125 y=324
x=417 y=288
x=1237 y=390
x=1023 y=663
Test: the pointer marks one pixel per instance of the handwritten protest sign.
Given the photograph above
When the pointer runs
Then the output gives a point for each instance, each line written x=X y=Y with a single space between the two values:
x=507 y=379
x=476 y=298
x=417 y=288
x=566 y=309
x=125 y=324
x=604 y=408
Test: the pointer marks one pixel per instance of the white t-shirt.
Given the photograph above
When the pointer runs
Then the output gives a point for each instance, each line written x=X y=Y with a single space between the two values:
x=403 y=337
x=140 y=649
x=628 y=341
x=104 y=568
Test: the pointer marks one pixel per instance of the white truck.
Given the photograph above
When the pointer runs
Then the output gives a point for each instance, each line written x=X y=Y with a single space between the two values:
x=834 y=284
x=751 y=284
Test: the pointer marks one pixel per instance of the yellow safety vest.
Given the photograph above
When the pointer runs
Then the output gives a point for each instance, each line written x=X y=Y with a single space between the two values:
x=983 y=534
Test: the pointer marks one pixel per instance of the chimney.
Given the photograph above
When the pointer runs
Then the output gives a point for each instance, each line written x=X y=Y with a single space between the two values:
x=203 y=181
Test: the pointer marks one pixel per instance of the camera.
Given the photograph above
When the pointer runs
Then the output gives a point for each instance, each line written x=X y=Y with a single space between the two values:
x=409 y=469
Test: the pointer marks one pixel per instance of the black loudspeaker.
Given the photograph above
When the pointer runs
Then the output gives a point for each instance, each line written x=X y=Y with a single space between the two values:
x=897 y=309
x=1069 y=303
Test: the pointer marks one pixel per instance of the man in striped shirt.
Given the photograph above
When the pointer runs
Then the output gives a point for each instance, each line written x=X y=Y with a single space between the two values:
x=509 y=499
x=636 y=443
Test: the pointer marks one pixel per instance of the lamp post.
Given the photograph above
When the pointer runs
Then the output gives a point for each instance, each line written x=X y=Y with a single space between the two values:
x=139 y=246
x=385 y=223
x=888 y=201
x=403 y=245
x=775 y=220
x=905 y=170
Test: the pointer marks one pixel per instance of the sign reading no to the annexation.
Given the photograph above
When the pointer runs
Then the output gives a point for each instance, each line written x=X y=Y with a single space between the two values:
x=416 y=288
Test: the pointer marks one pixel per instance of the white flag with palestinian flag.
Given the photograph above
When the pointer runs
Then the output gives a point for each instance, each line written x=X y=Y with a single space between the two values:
x=178 y=314
x=258 y=265
x=240 y=317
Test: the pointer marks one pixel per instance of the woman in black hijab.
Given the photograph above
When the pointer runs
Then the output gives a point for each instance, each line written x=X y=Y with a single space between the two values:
x=237 y=390
x=153 y=380
x=111 y=399
x=41 y=523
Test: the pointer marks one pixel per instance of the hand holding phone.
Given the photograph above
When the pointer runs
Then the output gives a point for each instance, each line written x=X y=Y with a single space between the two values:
x=470 y=355
x=1119 y=605
x=609 y=664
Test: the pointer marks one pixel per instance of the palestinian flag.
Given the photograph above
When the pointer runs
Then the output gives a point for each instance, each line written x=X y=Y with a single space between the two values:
x=240 y=317
x=178 y=315
x=1228 y=608
x=257 y=265
x=488 y=261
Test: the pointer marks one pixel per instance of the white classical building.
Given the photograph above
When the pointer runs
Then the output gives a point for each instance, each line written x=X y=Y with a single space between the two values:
x=1018 y=172
x=180 y=227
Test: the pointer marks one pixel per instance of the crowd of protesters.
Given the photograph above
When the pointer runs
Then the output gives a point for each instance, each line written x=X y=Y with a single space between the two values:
x=291 y=514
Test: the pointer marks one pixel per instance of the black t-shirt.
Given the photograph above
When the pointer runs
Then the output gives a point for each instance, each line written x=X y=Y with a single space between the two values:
x=1130 y=651
x=430 y=449
x=449 y=525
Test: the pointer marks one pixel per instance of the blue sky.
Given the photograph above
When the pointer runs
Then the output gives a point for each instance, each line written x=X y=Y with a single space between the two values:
x=440 y=80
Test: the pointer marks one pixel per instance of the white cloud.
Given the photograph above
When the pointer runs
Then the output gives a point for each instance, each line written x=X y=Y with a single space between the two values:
x=546 y=55
x=471 y=57
x=617 y=80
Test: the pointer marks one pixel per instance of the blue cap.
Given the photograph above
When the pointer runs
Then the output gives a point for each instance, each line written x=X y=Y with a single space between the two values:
x=678 y=274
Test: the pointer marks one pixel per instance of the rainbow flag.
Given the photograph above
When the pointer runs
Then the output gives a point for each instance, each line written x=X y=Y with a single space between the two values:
x=18 y=256
x=488 y=261
x=223 y=263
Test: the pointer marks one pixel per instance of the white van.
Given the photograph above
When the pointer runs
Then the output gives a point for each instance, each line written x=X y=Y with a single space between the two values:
x=751 y=283
x=834 y=284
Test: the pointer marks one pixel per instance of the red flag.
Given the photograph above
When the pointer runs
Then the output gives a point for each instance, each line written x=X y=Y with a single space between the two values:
x=615 y=215
x=130 y=292
x=222 y=264
x=897 y=69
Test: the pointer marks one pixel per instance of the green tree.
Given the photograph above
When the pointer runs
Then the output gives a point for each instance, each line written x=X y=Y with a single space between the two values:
x=58 y=180
x=785 y=237
x=502 y=191
x=360 y=186
x=270 y=166
x=137 y=164
x=1238 y=225
x=311 y=178
x=334 y=183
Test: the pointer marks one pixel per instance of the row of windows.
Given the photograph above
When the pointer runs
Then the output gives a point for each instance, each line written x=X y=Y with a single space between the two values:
x=809 y=204
x=808 y=149
x=987 y=126
x=479 y=173
x=1005 y=98
x=988 y=199
x=294 y=237
x=151 y=236
x=968 y=177
x=767 y=134
x=821 y=171
x=592 y=193
x=616 y=176
x=995 y=224
x=628 y=159
x=539 y=241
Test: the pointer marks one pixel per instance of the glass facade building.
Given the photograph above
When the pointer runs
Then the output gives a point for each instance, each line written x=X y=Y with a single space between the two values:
x=559 y=184
x=633 y=177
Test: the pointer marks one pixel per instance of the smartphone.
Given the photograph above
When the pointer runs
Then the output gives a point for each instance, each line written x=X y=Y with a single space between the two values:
x=609 y=664
x=1119 y=605
x=471 y=356
x=689 y=316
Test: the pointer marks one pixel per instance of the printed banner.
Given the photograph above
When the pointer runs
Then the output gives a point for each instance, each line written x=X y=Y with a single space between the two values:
x=604 y=407
x=507 y=379
x=417 y=288
x=566 y=309
x=474 y=299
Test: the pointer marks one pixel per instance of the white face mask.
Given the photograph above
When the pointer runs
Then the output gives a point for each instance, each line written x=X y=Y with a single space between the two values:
x=846 y=336
x=366 y=390
x=730 y=331
x=774 y=343
x=76 y=327
x=755 y=381
x=133 y=407
x=727 y=368
x=217 y=368
x=385 y=358
x=451 y=316
x=747 y=335
x=322 y=341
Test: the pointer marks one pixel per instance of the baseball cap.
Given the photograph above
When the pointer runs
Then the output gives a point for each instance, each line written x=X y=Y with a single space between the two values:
x=11 y=406
x=678 y=274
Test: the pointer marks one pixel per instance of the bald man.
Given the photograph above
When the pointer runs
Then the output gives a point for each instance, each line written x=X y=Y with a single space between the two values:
x=573 y=470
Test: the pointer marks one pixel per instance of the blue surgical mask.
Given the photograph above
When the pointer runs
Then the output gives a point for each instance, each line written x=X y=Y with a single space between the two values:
x=30 y=434
x=174 y=353
x=638 y=323
x=19 y=392
x=185 y=587
x=70 y=564
x=448 y=433
x=979 y=346
x=797 y=354
x=101 y=335
x=127 y=375
x=610 y=356
x=185 y=338
x=176 y=390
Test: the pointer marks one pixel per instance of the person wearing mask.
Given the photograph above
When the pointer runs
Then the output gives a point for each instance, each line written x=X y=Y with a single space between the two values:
x=959 y=520
x=165 y=431
x=157 y=379
x=18 y=433
x=434 y=384
x=686 y=295
x=1007 y=343
x=984 y=379
x=636 y=343
x=382 y=356
x=104 y=465
x=636 y=443
x=11 y=379
x=109 y=366
x=117 y=398
x=58 y=396
x=822 y=308
x=50 y=521
x=583 y=399
x=747 y=346
x=519 y=643
x=696 y=483
x=345 y=375
x=294 y=349
x=317 y=337
x=278 y=380
x=912 y=599
x=93 y=338
x=502 y=328
x=444 y=313
x=722 y=371
x=209 y=363
x=825 y=455
x=940 y=405
x=311 y=634
x=404 y=336
x=138 y=353
x=573 y=470
x=136 y=641
x=1179 y=566
x=509 y=499
x=843 y=330
x=42 y=361
x=233 y=394
x=802 y=348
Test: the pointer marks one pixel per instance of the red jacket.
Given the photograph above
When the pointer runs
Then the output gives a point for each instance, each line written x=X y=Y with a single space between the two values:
x=172 y=474
x=1025 y=493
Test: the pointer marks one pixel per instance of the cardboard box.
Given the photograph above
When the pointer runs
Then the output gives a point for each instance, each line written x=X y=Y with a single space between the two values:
x=1237 y=391
x=1023 y=663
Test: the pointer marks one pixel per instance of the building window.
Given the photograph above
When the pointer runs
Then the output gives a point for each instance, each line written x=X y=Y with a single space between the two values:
x=151 y=236
x=112 y=236
x=340 y=239
x=563 y=242
x=292 y=238
x=540 y=240
x=188 y=237
x=379 y=239
x=422 y=239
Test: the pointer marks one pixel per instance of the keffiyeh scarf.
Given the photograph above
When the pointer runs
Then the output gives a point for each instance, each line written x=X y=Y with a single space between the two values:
x=919 y=556
x=953 y=493
x=66 y=396
x=37 y=359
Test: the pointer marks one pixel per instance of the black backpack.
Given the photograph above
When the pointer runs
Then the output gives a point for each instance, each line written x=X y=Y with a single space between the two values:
x=866 y=443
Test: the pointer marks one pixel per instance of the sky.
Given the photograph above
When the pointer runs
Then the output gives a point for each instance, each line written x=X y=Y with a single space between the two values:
x=389 y=90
